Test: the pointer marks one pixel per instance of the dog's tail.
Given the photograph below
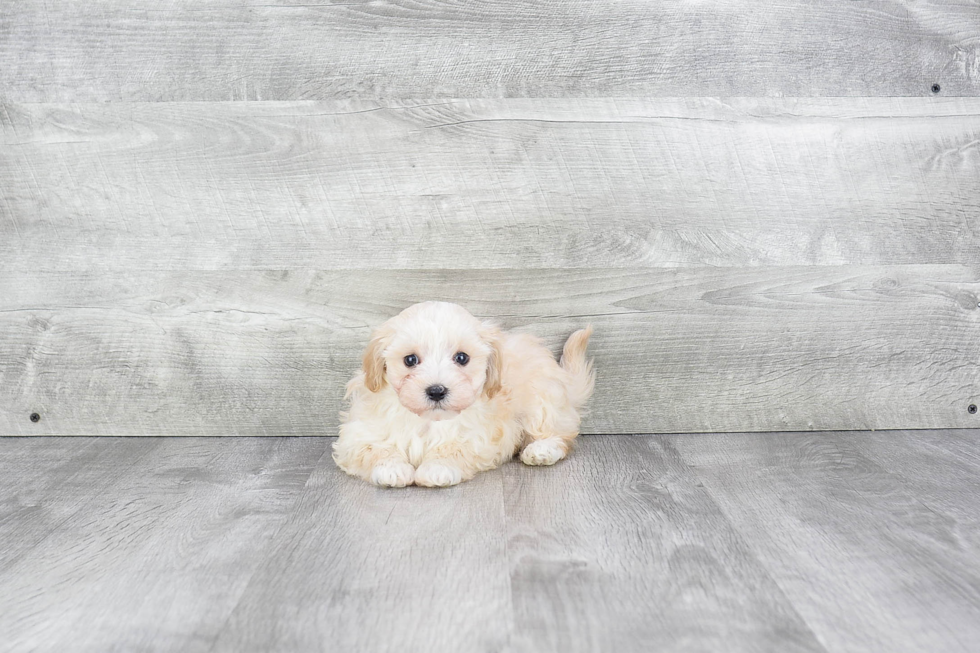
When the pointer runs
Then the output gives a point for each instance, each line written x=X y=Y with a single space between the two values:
x=579 y=369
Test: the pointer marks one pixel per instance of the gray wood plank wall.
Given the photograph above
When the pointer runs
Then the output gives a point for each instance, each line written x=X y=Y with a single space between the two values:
x=298 y=50
x=765 y=210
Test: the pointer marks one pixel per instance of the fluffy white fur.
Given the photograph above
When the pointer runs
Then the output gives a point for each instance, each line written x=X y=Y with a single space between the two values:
x=510 y=396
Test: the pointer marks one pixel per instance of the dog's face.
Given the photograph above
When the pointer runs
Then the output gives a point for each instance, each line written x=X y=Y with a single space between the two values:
x=437 y=357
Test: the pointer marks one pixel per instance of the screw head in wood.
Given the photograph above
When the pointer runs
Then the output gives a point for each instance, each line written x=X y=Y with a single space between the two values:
x=972 y=409
x=35 y=418
x=936 y=88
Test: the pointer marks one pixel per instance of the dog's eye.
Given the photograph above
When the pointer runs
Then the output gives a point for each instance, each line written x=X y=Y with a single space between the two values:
x=461 y=358
x=411 y=360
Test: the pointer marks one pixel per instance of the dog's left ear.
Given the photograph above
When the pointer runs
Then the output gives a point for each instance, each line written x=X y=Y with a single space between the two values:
x=492 y=336
x=374 y=361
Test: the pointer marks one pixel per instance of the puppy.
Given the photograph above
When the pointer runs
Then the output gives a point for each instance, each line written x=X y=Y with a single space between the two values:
x=442 y=396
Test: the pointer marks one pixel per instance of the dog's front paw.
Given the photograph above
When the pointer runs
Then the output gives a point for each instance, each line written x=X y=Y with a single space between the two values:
x=433 y=474
x=392 y=473
x=544 y=452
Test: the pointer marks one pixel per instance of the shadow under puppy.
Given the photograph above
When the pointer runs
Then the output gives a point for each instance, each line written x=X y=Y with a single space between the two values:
x=443 y=396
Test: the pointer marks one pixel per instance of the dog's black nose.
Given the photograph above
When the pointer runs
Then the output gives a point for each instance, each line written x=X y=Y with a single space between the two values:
x=437 y=392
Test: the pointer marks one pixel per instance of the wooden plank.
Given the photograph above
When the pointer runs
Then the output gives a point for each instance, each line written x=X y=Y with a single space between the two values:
x=864 y=561
x=360 y=568
x=942 y=468
x=44 y=482
x=157 y=559
x=293 y=50
x=620 y=549
x=677 y=350
x=777 y=542
x=489 y=184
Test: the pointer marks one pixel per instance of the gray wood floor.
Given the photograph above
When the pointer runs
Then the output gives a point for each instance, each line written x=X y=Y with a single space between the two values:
x=866 y=541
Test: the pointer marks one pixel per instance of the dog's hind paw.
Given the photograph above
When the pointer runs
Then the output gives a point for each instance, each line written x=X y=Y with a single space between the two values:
x=544 y=452
x=392 y=473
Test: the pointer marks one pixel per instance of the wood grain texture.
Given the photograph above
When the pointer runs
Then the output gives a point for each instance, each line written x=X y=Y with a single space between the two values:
x=360 y=568
x=43 y=486
x=940 y=467
x=778 y=542
x=155 y=559
x=620 y=547
x=676 y=350
x=868 y=563
x=489 y=184
x=120 y=50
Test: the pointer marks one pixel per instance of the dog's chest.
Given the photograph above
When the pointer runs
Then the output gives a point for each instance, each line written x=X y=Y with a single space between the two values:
x=429 y=436
x=416 y=447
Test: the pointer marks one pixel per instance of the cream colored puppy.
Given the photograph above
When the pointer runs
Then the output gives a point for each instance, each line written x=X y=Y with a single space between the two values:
x=443 y=396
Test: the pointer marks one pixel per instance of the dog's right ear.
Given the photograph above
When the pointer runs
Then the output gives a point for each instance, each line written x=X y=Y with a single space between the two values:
x=374 y=361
